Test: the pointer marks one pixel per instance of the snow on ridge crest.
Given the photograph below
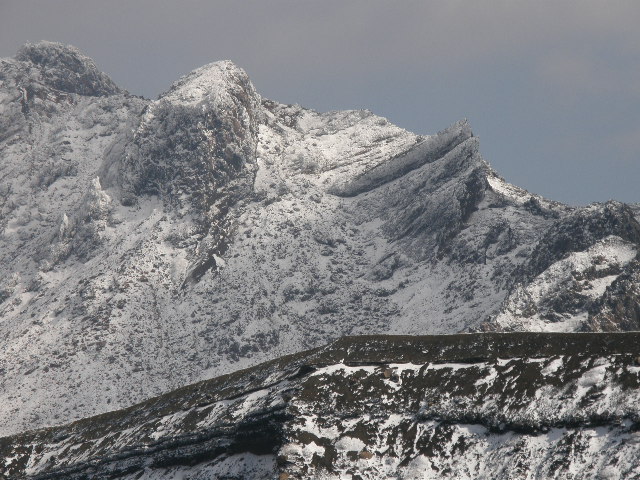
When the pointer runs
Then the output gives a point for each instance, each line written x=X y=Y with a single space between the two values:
x=425 y=150
x=214 y=83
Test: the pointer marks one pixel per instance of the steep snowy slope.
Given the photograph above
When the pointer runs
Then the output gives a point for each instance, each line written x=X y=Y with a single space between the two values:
x=148 y=244
x=476 y=406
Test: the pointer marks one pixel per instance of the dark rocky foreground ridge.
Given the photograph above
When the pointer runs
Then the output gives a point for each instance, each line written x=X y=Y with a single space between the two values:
x=476 y=406
x=149 y=244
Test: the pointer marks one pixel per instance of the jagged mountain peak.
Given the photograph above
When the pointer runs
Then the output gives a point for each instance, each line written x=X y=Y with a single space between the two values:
x=212 y=84
x=195 y=139
x=65 y=68
x=460 y=128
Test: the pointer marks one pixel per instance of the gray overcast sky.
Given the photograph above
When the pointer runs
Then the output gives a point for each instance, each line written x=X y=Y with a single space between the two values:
x=551 y=88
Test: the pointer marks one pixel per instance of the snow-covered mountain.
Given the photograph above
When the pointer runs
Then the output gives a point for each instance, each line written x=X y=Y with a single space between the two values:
x=513 y=406
x=147 y=244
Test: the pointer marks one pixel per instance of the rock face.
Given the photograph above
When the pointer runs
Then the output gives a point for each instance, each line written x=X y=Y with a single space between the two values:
x=148 y=244
x=478 y=406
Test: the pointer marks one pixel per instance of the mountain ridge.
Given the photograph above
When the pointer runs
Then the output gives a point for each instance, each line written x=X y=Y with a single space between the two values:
x=315 y=413
x=148 y=244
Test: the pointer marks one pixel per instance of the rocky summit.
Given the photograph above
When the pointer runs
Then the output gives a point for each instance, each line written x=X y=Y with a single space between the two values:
x=149 y=244
x=476 y=406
